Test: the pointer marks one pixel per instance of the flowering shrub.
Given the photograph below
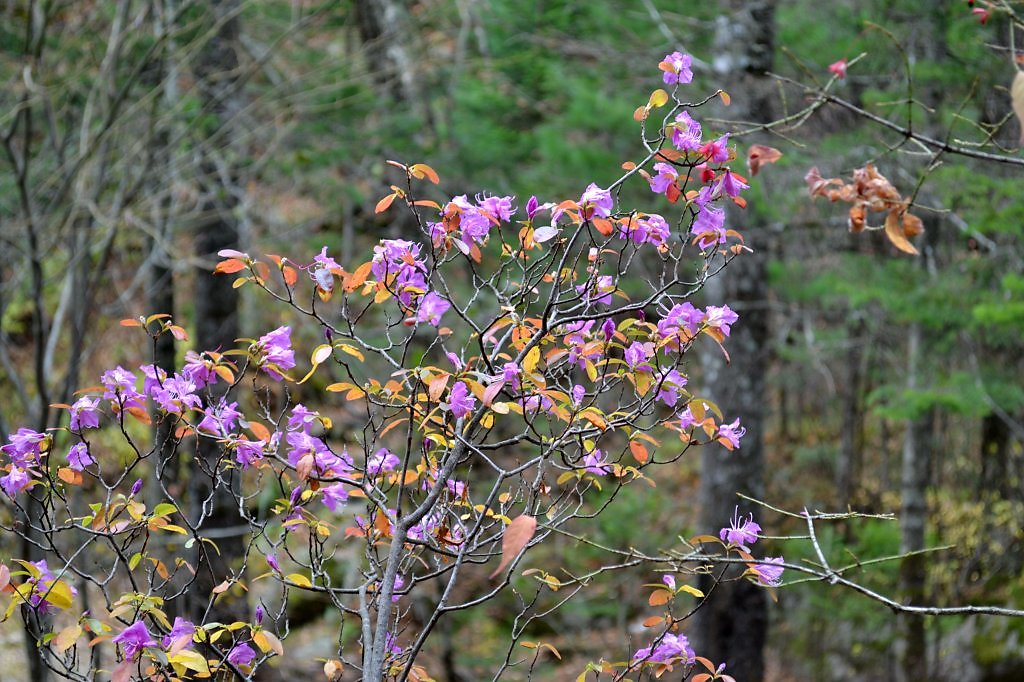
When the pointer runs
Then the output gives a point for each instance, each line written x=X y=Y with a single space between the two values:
x=499 y=374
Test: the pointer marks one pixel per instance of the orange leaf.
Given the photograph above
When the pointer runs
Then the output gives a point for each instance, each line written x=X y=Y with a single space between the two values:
x=130 y=323
x=437 y=386
x=604 y=226
x=384 y=203
x=260 y=431
x=422 y=170
x=229 y=266
x=290 y=276
x=659 y=597
x=653 y=620
x=639 y=452
x=517 y=537
x=726 y=100
x=69 y=476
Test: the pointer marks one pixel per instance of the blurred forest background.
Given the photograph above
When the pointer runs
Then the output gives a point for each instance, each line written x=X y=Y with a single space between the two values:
x=140 y=136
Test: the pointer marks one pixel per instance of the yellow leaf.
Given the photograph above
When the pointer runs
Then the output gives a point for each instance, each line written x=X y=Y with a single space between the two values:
x=299 y=580
x=531 y=360
x=267 y=642
x=692 y=590
x=659 y=98
x=65 y=639
x=192 y=660
x=59 y=594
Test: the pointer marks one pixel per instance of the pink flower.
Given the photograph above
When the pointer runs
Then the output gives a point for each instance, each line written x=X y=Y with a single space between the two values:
x=248 y=452
x=981 y=13
x=717 y=151
x=838 y=69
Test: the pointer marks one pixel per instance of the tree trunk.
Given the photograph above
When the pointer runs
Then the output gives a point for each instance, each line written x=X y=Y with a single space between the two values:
x=216 y=303
x=732 y=626
x=913 y=520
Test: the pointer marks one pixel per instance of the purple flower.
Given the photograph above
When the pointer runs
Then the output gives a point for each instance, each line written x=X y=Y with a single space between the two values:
x=258 y=618
x=460 y=402
x=176 y=394
x=275 y=352
x=272 y=562
x=220 y=419
x=769 y=572
x=498 y=207
x=740 y=532
x=84 y=413
x=14 y=482
x=334 y=495
x=637 y=355
x=595 y=463
x=301 y=417
x=199 y=369
x=602 y=291
x=241 y=655
x=432 y=307
x=669 y=580
x=154 y=377
x=671 y=382
x=732 y=433
x=672 y=648
x=391 y=645
x=709 y=227
x=686 y=133
x=683 y=317
x=455 y=361
x=456 y=488
x=381 y=461
x=134 y=638
x=79 y=457
x=180 y=636
x=730 y=184
x=136 y=487
x=677 y=68
x=248 y=452
x=595 y=202
x=24 y=447
x=578 y=394
x=608 y=329
x=120 y=388
x=399 y=584
x=667 y=174
x=325 y=261
x=397 y=262
x=511 y=372
x=686 y=419
x=721 y=318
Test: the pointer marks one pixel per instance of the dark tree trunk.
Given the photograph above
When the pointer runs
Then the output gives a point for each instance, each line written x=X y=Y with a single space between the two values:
x=732 y=627
x=216 y=305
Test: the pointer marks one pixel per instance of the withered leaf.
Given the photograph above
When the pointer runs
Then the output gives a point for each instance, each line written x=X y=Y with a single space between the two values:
x=759 y=154
x=517 y=536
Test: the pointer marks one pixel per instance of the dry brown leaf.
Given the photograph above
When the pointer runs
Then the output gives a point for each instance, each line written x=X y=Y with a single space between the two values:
x=759 y=154
x=894 y=231
x=517 y=536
